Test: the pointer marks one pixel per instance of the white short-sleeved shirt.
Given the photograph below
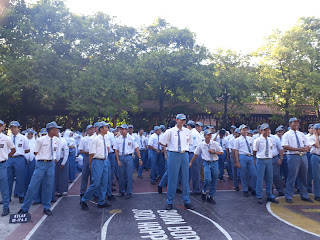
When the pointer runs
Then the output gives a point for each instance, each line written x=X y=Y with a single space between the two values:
x=84 y=144
x=98 y=148
x=196 y=139
x=276 y=145
x=312 y=141
x=260 y=146
x=222 y=142
x=203 y=150
x=112 y=141
x=5 y=147
x=230 y=144
x=154 y=141
x=21 y=144
x=130 y=145
x=142 y=142
x=289 y=139
x=64 y=151
x=241 y=145
x=170 y=138
x=43 y=148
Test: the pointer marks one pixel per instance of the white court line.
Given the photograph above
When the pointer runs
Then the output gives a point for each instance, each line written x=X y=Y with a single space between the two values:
x=105 y=228
x=34 y=229
x=224 y=232
x=290 y=224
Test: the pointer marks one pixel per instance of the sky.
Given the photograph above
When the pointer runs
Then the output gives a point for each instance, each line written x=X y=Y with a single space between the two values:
x=239 y=25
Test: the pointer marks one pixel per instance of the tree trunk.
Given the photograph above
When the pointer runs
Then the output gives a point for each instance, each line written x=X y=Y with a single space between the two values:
x=225 y=113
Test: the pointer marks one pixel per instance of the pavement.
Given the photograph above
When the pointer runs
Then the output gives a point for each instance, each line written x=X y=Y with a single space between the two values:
x=143 y=217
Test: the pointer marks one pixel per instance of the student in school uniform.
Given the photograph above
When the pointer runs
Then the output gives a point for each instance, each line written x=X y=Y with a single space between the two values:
x=62 y=169
x=221 y=139
x=111 y=164
x=30 y=157
x=245 y=161
x=209 y=151
x=157 y=155
x=296 y=144
x=7 y=149
x=84 y=151
x=143 y=144
x=46 y=155
x=124 y=148
x=232 y=159
x=315 y=159
x=68 y=136
x=309 y=176
x=177 y=141
x=98 y=157
x=16 y=163
x=263 y=155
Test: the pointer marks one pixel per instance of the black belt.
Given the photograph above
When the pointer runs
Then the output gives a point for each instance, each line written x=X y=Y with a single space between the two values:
x=179 y=152
x=315 y=154
x=299 y=154
x=99 y=159
x=44 y=160
x=248 y=155
x=17 y=156
x=3 y=161
x=126 y=154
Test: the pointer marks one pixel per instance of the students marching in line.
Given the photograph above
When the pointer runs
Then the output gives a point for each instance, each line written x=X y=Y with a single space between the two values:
x=46 y=155
x=7 y=149
x=209 y=151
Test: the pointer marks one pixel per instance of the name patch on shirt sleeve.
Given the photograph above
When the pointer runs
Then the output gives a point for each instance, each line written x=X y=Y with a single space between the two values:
x=1 y=145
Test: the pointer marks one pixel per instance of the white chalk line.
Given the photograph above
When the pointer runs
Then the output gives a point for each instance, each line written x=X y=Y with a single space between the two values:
x=104 y=229
x=35 y=228
x=224 y=232
x=288 y=223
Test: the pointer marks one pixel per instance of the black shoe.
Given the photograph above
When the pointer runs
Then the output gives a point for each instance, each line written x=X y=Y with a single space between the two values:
x=211 y=200
x=273 y=200
x=307 y=200
x=169 y=207
x=246 y=194
x=35 y=203
x=259 y=200
x=249 y=189
x=317 y=199
x=178 y=191
x=221 y=179
x=280 y=194
x=81 y=195
x=121 y=194
x=15 y=195
x=113 y=190
x=309 y=191
x=5 y=212
x=195 y=193
x=203 y=196
x=21 y=212
x=128 y=196
x=188 y=206
x=159 y=189
x=111 y=198
x=105 y=205
x=84 y=205
x=237 y=189
x=253 y=193
x=47 y=212
x=289 y=200
x=21 y=199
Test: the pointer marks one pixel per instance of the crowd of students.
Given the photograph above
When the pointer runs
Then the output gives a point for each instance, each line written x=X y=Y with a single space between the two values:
x=184 y=154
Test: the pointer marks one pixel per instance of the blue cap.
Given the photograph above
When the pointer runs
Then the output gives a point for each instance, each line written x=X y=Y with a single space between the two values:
x=53 y=125
x=293 y=119
x=310 y=126
x=162 y=127
x=14 y=123
x=112 y=130
x=316 y=126
x=242 y=126
x=190 y=122
x=88 y=127
x=264 y=126
x=255 y=131
x=280 y=128
x=30 y=130
x=130 y=126
x=237 y=130
x=259 y=127
x=206 y=132
x=1 y=122
x=151 y=131
x=199 y=123
x=96 y=124
x=102 y=124
x=233 y=126
x=156 y=128
x=181 y=116
x=43 y=131
x=125 y=126
x=250 y=131
x=222 y=131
